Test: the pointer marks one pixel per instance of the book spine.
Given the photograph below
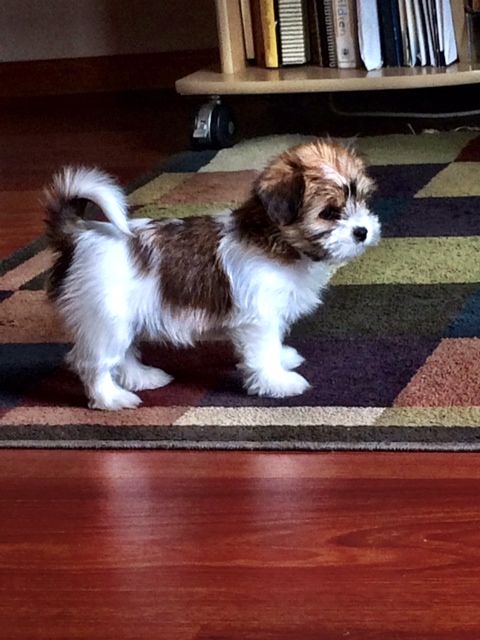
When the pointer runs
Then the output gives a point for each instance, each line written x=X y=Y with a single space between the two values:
x=420 y=29
x=428 y=32
x=269 y=29
x=247 y=29
x=369 y=34
x=397 y=32
x=345 y=25
x=322 y=27
x=412 y=33
x=406 y=53
x=390 y=33
x=432 y=17
x=313 y=20
x=450 y=50
x=330 y=31
x=259 y=45
x=292 y=31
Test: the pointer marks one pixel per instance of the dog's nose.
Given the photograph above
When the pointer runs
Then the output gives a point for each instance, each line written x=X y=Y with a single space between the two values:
x=360 y=234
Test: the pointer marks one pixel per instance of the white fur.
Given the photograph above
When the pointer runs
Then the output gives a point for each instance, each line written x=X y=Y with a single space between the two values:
x=341 y=242
x=94 y=185
x=269 y=297
x=290 y=358
x=108 y=304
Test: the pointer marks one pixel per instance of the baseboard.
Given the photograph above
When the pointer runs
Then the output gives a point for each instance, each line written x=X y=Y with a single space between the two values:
x=101 y=74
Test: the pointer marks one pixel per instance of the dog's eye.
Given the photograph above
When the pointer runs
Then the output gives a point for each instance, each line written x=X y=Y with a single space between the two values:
x=330 y=213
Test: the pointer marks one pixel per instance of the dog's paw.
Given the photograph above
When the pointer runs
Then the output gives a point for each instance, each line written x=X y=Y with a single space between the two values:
x=121 y=399
x=278 y=384
x=140 y=377
x=290 y=358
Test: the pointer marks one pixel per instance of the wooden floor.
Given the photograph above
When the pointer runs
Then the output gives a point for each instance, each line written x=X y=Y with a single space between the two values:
x=214 y=546
x=245 y=546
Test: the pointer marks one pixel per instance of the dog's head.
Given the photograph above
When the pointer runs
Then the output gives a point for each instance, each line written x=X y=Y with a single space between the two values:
x=317 y=195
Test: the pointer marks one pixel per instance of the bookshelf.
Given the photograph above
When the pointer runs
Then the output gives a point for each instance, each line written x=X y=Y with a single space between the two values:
x=236 y=76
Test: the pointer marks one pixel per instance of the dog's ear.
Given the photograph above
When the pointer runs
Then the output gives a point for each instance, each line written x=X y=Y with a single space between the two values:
x=281 y=188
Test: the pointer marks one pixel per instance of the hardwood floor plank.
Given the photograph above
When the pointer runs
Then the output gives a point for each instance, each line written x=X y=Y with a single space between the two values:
x=243 y=545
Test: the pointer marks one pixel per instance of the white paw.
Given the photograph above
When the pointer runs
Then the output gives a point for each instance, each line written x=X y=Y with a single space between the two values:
x=276 y=384
x=140 y=377
x=290 y=358
x=120 y=399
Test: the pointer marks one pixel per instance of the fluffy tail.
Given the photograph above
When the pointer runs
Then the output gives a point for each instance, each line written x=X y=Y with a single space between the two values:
x=66 y=196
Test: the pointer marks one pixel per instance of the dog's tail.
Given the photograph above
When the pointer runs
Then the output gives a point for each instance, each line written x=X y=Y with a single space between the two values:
x=66 y=198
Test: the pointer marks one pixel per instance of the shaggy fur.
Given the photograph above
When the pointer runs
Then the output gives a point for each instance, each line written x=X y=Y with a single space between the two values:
x=249 y=273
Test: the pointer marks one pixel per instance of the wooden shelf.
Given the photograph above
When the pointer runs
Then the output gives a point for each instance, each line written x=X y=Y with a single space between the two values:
x=307 y=79
x=235 y=76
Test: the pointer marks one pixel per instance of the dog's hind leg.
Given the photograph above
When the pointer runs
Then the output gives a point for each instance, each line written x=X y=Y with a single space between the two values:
x=95 y=358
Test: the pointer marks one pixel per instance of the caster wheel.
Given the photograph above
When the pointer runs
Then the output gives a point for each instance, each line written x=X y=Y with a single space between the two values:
x=214 y=126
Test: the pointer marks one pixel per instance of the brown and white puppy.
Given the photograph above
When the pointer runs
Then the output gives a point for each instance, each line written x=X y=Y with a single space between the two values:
x=250 y=272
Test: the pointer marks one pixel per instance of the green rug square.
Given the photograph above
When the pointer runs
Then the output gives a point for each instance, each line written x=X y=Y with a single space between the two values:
x=180 y=210
x=427 y=260
x=386 y=310
x=459 y=179
x=156 y=188
x=254 y=153
x=425 y=148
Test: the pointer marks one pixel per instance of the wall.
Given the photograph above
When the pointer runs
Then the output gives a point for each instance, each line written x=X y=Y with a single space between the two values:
x=46 y=29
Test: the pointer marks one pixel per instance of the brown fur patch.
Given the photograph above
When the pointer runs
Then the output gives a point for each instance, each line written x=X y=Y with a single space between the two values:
x=254 y=226
x=59 y=271
x=63 y=219
x=190 y=274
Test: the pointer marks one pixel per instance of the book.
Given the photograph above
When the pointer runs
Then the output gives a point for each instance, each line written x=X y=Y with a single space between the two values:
x=434 y=27
x=450 y=50
x=425 y=6
x=317 y=33
x=330 y=30
x=259 y=46
x=346 y=38
x=247 y=28
x=269 y=27
x=438 y=33
x=292 y=30
x=390 y=32
x=412 y=34
x=369 y=34
x=406 y=53
x=265 y=33
x=420 y=28
x=441 y=28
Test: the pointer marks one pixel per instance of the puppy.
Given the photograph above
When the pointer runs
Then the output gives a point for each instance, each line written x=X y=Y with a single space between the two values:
x=250 y=272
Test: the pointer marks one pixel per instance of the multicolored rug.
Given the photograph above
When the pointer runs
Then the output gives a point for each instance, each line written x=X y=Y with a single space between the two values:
x=393 y=355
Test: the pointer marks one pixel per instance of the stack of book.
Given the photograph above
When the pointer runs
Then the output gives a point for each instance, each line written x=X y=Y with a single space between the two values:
x=349 y=33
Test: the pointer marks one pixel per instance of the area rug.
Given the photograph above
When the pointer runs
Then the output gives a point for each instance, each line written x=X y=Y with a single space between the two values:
x=393 y=355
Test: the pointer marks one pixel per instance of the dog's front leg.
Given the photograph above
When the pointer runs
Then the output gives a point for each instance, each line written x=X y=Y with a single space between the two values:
x=263 y=362
x=290 y=358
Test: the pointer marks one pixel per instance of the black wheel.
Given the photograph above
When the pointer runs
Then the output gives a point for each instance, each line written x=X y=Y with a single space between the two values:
x=214 y=126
